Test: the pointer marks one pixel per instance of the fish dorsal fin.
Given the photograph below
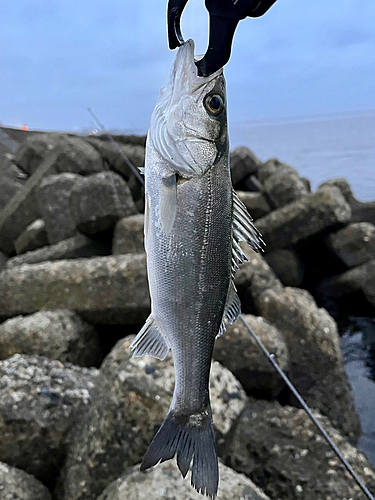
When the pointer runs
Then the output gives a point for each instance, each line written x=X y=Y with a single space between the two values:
x=150 y=341
x=168 y=202
x=243 y=230
x=232 y=308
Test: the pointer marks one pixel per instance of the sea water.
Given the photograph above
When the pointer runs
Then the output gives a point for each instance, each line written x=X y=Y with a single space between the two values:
x=319 y=147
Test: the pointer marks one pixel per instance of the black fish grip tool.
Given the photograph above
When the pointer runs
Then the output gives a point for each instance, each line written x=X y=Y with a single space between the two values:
x=224 y=17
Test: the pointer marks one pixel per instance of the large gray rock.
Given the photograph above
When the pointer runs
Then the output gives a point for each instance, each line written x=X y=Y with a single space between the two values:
x=253 y=278
x=243 y=163
x=40 y=401
x=116 y=154
x=3 y=261
x=269 y=168
x=358 y=279
x=287 y=266
x=53 y=197
x=317 y=369
x=354 y=245
x=164 y=482
x=77 y=247
x=15 y=484
x=97 y=202
x=77 y=156
x=343 y=185
x=237 y=350
x=280 y=449
x=129 y=235
x=22 y=209
x=311 y=215
x=284 y=186
x=74 y=154
x=103 y=289
x=33 y=237
x=119 y=156
x=361 y=212
x=132 y=402
x=255 y=202
x=61 y=335
x=34 y=150
x=12 y=179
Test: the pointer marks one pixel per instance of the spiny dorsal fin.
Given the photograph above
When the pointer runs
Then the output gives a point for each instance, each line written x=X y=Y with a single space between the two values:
x=243 y=230
x=232 y=308
x=150 y=341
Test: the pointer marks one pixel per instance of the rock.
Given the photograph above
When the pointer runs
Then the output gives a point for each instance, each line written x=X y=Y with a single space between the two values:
x=358 y=279
x=311 y=215
x=106 y=290
x=243 y=163
x=33 y=237
x=34 y=150
x=255 y=202
x=317 y=369
x=22 y=210
x=73 y=154
x=253 y=278
x=284 y=186
x=77 y=156
x=269 y=168
x=280 y=449
x=77 y=247
x=164 y=482
x=109 y=439
x=15 y=484
x=287 y=266
x=40 y=401
x=53 y=197
x=238 y=351
x=354 y=245
x=12 y=180
x=61 y=335
x=129 y=236
x=251 y=183
x=118 y=156
x=343 y=185
x=115 y=154
x=97 y=202
x=361 y=212
x=3 y=261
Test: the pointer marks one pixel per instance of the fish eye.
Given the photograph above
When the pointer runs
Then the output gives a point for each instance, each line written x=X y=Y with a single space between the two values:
x=214 y=104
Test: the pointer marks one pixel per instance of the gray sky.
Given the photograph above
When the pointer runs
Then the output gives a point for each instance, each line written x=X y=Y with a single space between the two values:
x=58 y=57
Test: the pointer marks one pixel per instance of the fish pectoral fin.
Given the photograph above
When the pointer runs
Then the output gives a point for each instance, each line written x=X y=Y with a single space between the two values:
x=232 y=308
x=168 y=202
x=243 y=230
x=150 y=341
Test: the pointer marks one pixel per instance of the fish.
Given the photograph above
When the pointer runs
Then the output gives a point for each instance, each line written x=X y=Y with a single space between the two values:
x=194 y=222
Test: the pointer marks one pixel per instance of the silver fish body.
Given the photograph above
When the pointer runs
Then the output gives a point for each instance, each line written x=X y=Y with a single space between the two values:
x=193 y=223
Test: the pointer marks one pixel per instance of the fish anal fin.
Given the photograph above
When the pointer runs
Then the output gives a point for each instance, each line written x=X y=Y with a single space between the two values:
x=150 y=341
x=168 y=202
x=232 y=308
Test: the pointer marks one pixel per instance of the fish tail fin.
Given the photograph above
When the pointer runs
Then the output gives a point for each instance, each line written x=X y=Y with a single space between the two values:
x=191 y=438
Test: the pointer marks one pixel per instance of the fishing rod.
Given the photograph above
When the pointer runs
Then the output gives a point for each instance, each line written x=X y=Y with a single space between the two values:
x=270 y=357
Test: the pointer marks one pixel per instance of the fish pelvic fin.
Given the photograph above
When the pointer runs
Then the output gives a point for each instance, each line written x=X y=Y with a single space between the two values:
x=243 y=230
x=191 y=438
x=150 y=341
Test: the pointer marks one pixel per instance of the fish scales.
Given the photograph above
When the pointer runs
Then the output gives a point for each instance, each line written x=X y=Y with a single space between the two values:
x=193 y=223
